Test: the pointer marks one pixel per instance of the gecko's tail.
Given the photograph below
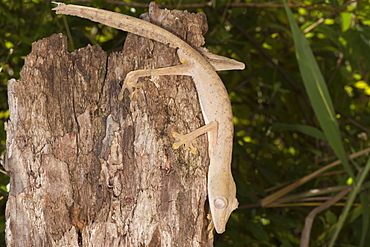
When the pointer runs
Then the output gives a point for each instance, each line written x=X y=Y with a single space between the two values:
x=121 y=22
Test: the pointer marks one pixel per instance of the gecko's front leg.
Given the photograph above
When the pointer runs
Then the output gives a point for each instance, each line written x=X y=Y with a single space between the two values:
x=132 y=77
x=218 y=63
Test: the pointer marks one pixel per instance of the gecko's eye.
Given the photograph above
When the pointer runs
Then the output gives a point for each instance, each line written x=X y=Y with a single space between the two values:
x=220 y=203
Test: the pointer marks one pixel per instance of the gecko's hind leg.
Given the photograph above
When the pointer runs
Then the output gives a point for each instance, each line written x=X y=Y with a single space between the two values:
x=132 y=77
x=188 y=138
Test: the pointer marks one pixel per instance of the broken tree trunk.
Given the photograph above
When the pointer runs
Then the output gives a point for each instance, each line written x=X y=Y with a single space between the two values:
x=89 y=170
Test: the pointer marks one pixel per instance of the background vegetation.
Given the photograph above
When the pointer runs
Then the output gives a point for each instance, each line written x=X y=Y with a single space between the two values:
x=298 y=107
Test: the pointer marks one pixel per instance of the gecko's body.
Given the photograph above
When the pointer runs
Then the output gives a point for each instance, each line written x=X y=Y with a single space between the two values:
x=214 y=101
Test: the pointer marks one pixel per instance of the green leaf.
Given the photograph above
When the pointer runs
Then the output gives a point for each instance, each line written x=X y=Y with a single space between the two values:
x=330 y=217
x=317 y=91
x=346 y=21
x=308 y=130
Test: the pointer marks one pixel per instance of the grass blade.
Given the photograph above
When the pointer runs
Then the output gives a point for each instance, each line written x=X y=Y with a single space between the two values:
x=351 y=198
x=317 y=91
x=280 y=193
x=364 y=196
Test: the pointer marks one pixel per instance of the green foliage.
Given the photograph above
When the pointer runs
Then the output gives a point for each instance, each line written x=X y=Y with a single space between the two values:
x=302 y=101
x=317 y=91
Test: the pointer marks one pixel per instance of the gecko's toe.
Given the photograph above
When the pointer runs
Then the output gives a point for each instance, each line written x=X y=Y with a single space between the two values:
x=183 y=140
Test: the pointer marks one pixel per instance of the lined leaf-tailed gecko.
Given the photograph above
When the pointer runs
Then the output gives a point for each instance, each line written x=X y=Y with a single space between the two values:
x=213 y=97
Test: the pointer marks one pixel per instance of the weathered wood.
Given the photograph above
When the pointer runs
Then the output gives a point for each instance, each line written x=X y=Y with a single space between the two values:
x=89 y=170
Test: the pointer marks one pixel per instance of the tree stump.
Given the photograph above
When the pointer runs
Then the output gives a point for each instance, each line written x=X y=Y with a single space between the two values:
x=89 y=170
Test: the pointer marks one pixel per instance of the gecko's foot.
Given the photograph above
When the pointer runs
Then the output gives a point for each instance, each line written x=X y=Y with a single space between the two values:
x=184 y=140
x=210 y=227
x=129 y=83
x=130 y=90
x=57 y=3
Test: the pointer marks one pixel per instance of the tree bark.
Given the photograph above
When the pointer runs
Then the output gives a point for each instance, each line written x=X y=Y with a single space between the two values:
x=89 y=170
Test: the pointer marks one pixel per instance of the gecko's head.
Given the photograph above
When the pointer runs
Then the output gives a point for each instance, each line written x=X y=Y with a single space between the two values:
x=221 y=208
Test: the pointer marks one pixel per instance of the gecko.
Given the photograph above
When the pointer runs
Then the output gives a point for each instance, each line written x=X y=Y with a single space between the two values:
x=214 y=101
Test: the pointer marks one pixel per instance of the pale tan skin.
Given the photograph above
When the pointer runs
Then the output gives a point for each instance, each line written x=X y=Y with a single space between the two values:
x=215 y=103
